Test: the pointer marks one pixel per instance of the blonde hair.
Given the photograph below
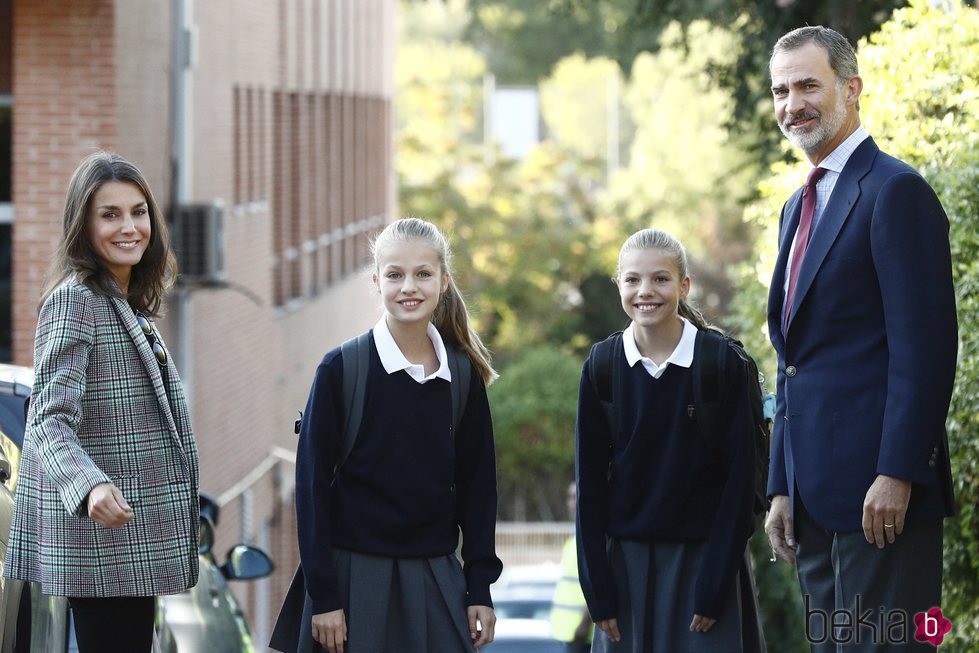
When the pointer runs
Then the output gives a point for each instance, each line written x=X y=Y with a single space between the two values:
x=656 y=239
x=156 y=270
x=451 y=317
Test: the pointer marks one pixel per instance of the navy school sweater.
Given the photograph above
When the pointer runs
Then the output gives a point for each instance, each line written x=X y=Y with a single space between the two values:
x=408 y=486
x=657 y=480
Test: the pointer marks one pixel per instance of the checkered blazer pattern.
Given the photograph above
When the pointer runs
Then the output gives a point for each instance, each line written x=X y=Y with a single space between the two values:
x=99 y=413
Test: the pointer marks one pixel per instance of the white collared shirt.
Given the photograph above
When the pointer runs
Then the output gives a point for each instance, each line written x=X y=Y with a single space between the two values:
x=394 y=361
x=834 y=163
x=682 y=356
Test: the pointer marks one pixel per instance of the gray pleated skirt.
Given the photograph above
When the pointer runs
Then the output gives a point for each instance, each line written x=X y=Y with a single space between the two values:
x=655 y=584
x=403 y=605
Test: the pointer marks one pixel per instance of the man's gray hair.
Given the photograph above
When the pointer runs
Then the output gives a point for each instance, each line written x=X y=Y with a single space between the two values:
x=842 y=58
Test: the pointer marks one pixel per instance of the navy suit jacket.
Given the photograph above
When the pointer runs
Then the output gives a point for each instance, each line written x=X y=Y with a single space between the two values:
x=867 y=363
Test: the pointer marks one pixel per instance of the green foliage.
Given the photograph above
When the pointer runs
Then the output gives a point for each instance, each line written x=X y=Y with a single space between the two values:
x=921 y=103
x=534 y=408
x=688 y=172
x=581 y=92
x=536 y=240
x=782 y=613
x=924 y=103
x=525 y=40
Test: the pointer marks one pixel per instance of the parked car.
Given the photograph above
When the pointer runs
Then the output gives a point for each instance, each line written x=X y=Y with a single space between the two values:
x=523 y=636
x=526 y=591
x=206 y=618
x=522 y=601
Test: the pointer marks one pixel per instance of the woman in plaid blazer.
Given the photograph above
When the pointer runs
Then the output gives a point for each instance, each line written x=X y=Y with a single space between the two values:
x=107 y=506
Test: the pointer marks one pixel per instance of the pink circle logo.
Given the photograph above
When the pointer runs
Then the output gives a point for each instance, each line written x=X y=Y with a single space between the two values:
x=931 y=626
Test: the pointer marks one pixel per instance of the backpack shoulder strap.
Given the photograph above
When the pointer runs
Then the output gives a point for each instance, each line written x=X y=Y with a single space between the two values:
x=461 y=369
x=356 y=354
x=603 y=372
x=708 y=369
x=602 y=359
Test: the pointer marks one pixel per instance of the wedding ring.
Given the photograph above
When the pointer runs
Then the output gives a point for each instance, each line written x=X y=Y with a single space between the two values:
x=888 y=525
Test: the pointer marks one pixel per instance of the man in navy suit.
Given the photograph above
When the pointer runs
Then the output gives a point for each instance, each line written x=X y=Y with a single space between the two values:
x=860 y=479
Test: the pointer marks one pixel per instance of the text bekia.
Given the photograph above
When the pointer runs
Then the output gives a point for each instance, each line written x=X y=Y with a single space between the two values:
x=858 y=625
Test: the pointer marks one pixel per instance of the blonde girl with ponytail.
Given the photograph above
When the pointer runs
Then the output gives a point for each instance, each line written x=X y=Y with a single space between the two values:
x=664 y=513
x=451 y=317
x=378 y=529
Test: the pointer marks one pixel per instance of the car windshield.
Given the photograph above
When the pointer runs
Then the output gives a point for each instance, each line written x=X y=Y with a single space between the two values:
x=12 y=418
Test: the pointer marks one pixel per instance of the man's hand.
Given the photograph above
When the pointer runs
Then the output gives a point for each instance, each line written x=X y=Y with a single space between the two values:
x=330 y=630
x=701 y=624
x=780 y=529
x=583 y=629
x=487 y=622
x=108 y=507
x=610 y=627
x=884 y=508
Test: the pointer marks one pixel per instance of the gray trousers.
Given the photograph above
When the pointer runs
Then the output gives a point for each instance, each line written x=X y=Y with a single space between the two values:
x=868 y=593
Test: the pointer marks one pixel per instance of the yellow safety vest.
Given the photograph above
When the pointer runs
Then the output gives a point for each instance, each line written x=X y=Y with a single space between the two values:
x=569 y=602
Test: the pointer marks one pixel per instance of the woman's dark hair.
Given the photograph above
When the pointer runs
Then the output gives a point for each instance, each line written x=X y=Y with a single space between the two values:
x=75 y=256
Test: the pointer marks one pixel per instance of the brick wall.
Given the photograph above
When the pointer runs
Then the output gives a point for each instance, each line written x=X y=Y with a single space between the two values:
x=64 y=108
x=289 y=118
x=290 y=110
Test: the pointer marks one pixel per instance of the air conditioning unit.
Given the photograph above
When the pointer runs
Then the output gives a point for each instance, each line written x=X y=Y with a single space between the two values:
x=198 y=242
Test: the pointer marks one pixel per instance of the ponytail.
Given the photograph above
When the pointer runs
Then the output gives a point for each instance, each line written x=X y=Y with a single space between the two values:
x=696 y=318
x=451 y=318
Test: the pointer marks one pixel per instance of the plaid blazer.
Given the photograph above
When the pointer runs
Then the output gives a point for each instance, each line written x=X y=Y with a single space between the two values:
x=99 y=414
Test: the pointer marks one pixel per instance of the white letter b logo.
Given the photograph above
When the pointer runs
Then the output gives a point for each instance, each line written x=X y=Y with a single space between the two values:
x=931 y=625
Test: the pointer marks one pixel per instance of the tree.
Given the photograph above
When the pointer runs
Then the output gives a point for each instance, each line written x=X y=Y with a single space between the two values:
x=535 y=404
x=688 y=172
x=524 y=41
x=536 y=240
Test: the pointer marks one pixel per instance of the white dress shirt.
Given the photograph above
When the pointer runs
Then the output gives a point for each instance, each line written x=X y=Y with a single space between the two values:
x=394 y=361
x=833 y=164
x=682 y=355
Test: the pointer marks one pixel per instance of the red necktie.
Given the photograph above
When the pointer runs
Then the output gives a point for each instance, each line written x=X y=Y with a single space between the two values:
x=802 y=238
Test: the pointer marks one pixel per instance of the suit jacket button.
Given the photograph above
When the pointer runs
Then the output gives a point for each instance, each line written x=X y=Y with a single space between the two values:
x=931 y=463
x=790 y=370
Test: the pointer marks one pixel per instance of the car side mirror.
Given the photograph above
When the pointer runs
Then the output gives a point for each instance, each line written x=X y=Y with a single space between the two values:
x=247 y=563
x=4 y=468
x=206 y=536
x=209 y=508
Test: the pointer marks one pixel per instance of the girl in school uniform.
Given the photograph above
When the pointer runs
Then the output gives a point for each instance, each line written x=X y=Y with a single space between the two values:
x=663 y=516
x=377 y=542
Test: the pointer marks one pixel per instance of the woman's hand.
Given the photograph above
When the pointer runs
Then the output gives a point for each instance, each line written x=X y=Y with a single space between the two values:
x=610 y=627
x=107 y=506
x=330 y=630
x=487 y=621
x=701 y=624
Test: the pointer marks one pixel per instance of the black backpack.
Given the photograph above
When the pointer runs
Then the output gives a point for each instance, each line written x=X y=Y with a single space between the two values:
x=709 y=367
x=356 y=354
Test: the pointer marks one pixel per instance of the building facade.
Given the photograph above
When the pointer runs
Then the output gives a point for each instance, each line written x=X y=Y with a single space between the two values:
x=265 y=130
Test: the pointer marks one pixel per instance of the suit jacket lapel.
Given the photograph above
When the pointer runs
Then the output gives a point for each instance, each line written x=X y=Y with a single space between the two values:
x=146 y=355
x=841 y=202
x=776 y=292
